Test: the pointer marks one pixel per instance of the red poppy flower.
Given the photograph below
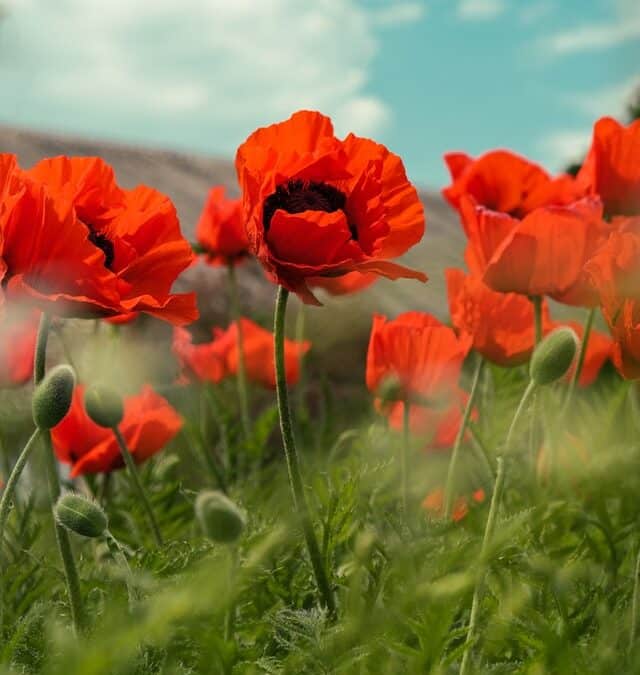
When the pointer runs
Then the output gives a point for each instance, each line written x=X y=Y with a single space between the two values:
x=149 y=423
x=18 y=334
x=344 y=285
x=220 y=230
x=45 y=254
x=500 y=324
x=434 y=503
x=543 y=254
x=438 y=422
x=215 y=360
x=207 y=361
x=421 y=354
x=136 y=232
x=503 y=181
x=318 y=206
x=625 y=330
x=258 y=352
x=615 y=268
x=612 y=170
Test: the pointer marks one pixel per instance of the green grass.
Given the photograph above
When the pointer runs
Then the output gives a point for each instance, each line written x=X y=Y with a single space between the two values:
x=558 y=589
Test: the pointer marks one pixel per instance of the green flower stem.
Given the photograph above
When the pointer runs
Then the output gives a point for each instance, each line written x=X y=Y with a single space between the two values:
x=243 y=392
x=537 y=317
x=635 y=606
x=448 y=491
x=53 y=479
x=404 y=457
x=230 y=616
x=486 y=542
x=584 y=343
x=223 y=430
x=121 y=558
x=135 y=476
x=531 y=387
x=288 y=441
x=10 y=487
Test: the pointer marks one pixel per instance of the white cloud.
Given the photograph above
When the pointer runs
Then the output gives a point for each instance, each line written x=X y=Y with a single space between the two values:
x=215 y=68
x=610 y=100
x=533 y=12
x=480 y=10
x=560 y=147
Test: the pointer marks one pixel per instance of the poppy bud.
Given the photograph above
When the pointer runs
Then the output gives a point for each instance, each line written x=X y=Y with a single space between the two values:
x=104 y=406
x=220 y=519
x=390 y=390
x=81 y=515
x=52 y=397
x=553 y=357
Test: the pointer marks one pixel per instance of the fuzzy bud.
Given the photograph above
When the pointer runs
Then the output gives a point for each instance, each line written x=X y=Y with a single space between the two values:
x=81 y=515
x=553 y=357
x=220 y=519
x=390 y=390
x=104 y=406
x=52 y=397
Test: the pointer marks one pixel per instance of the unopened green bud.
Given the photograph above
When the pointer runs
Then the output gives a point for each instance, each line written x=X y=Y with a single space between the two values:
x=52 y=397
x=220 y=519
x=104 y=406
x=81 y=515
x=553 y=357
x=390 y=390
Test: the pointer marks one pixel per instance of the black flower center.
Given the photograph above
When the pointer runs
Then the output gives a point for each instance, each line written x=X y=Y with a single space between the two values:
x=296 y=196
x=104 y=245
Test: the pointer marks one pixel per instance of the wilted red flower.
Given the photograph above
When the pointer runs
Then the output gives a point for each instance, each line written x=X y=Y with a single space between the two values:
x=344 y=285
x=215 y=360
x=220 y=230
x=318 y=206
x=503 y=181
x=418 y=352
x=149 y=423
x=543 y=254
x=18 y=334
x=500 y=324
x=45 y=254
x=434 y=503
x=611 y=169
x=136 y=234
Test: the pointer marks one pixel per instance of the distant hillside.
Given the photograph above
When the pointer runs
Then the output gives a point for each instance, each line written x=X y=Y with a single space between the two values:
x=340 y=330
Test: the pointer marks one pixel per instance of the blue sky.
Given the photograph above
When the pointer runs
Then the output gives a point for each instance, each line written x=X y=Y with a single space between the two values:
x=422 y=76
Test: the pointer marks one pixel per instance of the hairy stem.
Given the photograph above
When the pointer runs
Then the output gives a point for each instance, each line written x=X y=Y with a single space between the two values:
x=288 y=441
x=584 y=343
x=243 y=392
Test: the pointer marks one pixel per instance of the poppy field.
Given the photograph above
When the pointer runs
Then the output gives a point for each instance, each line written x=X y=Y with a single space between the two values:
x=182 y=497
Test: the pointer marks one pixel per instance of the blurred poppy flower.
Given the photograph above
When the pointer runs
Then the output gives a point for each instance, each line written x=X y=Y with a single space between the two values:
x=136 y=232
x=423 y=356
x=206 y=361
x=503 y=181
x=344 y=285
x=220 y=230
x=611 y=169
x=122 y=319
x=45 y=254
x=18 y=334
x=315 y=205
x=625 y=330
x=215 y=360
x=434 y=503
x=149 y=423
x=500 y=324
x=543 y=254
x=438 y=422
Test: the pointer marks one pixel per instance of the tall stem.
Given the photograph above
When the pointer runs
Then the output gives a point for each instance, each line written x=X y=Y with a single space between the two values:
x=133 y=472
x=404 y=458
x=53 y=480
x=486 y=542
x=531 y=387
x=243 y=393
x=288 y=441
x=537 y=317
x=584 y=343
x=635 y=606
x=223 y=429
x=448 y=491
